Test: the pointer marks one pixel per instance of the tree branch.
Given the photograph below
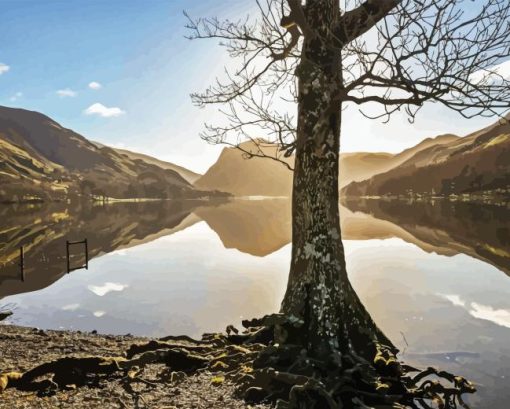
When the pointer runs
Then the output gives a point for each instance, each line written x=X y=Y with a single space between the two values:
x=357 y=22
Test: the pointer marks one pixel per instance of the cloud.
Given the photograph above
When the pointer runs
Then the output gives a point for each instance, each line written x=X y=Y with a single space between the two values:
x=493 y=74
x=71 y=307
x=4 y=68
x=62 y=93
x=455 y=300
x=122 y=252
x=503 y=69
x=105 y=112
x=16 y=96
x=95 y=85
x=499 y=317
x=102 y=290
x=486 y=312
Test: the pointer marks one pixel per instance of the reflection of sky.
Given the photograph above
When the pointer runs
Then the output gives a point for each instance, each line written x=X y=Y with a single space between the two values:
x=106 y=288
x=183 y=283
x=483 y=312
x=452 y=312
x=420 y=284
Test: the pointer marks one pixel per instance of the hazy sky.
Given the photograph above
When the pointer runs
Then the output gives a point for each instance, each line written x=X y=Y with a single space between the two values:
x=120 y=72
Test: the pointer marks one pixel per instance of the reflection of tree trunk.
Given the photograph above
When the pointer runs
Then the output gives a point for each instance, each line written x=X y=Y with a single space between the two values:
x=319 y=290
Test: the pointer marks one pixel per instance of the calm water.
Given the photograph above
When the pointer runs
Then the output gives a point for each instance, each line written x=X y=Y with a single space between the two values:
x=433 y=275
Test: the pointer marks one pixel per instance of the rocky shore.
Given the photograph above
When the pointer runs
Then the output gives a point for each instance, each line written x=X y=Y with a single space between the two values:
x=154 y=386
x=266 y=362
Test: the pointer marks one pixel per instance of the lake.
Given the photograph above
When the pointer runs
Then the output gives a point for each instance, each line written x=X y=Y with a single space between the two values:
x=434 y=275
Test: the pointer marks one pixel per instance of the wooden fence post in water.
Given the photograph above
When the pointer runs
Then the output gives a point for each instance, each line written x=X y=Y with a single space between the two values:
x=68 y=256
x=86 y=254
x=22 y=263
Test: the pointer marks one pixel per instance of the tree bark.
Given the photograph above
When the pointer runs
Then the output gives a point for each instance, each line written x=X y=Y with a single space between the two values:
x=319 y=290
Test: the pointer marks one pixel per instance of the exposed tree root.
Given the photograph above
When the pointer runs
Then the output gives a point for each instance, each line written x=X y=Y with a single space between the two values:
x=5 y=314
x=282 y=374
x=287 y=375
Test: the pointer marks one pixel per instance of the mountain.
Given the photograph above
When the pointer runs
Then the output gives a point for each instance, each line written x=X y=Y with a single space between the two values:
x=358 y=166
x=239 y=176
x=187 y=174
x=479 y=162
x=235 y=174
x=41 y=160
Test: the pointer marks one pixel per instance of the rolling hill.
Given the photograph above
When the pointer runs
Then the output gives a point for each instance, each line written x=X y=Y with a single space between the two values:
x=479 y=162
x=187 y=174
x=40 y=160
x=358 y=166
x=235 y=174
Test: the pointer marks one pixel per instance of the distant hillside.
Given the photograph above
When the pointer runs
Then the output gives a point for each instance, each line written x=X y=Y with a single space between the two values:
x=265 y=177
x=187 y=174
x=477 y=163
x=362 y=165
x=235 y=174
x=41 y=160
x=358 y=166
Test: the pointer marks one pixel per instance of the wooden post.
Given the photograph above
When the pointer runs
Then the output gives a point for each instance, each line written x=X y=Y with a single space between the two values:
x=22 y=263
x=67 y=257
x=86 y=254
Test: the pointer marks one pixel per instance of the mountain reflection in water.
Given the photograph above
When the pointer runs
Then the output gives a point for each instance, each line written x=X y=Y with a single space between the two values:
x=446 y=227
x=433 y=275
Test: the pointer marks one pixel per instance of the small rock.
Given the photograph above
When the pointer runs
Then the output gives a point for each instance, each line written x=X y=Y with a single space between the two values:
x=177 y=377
x=255 y=395
x=217 y=380
x=219 y=365
x=231 y=329
x=5 y=314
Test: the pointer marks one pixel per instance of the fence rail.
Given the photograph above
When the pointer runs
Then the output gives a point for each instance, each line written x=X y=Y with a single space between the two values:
x=73 y=243
x=22 y=263
x=22 y=253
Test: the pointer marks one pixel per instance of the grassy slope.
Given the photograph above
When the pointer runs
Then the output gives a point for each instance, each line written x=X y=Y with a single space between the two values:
x=38 y=157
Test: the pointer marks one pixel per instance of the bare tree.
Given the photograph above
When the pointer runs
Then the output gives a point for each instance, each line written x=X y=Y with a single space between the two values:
x=323 y=55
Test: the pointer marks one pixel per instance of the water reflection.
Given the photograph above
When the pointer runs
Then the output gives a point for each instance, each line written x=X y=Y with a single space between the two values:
x=43 y=231
x=431 y=275
x=257 y=227
x=445 y=227
x=429 y=306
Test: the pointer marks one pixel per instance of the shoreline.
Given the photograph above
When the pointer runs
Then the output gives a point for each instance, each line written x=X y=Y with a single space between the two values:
x=23 y=348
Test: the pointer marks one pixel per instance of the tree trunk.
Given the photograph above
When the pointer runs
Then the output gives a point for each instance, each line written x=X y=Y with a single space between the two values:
x=319 y=290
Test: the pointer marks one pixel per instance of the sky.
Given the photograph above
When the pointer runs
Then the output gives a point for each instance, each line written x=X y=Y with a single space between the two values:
x=120 y=72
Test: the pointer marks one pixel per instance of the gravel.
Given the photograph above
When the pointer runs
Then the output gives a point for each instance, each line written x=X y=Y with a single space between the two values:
x=24 y=348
